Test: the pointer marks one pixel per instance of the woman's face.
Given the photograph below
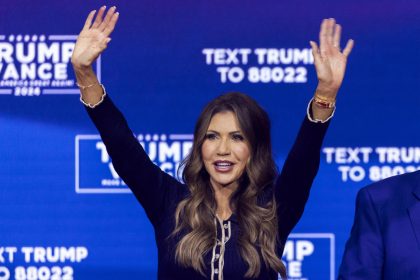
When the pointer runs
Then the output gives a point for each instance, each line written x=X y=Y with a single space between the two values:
x=225 y=151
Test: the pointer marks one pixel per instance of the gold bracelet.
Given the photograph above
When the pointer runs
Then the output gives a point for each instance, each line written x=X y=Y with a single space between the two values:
x=88 y=86
x=323 y=102
x=90 y=105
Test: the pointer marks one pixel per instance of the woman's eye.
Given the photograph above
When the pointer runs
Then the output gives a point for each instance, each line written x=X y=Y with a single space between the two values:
x=210 y=136
x=238 y=137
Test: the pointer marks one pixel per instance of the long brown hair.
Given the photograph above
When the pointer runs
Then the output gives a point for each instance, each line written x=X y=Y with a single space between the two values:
x=258 y=224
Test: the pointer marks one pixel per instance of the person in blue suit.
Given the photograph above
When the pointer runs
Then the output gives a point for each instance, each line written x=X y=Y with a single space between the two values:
x=385 y=238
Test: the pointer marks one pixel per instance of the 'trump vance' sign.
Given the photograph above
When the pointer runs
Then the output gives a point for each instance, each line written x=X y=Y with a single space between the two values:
x=34 y=65
x=95 y=172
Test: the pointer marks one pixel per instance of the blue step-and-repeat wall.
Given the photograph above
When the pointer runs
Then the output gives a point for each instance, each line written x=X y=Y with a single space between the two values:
x=64 y=212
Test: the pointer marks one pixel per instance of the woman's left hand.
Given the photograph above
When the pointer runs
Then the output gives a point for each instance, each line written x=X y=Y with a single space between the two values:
x=330 y=62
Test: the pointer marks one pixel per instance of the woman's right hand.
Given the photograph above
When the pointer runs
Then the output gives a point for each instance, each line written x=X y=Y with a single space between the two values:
x=94 y=37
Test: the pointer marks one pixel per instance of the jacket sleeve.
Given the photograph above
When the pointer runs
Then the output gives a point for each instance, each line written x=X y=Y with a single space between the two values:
x=153 y=188
x=364 y=253
x=299 y=170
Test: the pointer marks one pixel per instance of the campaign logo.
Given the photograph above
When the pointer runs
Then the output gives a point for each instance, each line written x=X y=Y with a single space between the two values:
x=310 y=256
x=95 y=172
x=35 y=65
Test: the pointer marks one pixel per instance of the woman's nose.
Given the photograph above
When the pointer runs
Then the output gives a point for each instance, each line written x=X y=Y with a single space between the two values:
x=223 y=147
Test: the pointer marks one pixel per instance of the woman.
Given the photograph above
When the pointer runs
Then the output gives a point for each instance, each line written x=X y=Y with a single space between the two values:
x=232 y=216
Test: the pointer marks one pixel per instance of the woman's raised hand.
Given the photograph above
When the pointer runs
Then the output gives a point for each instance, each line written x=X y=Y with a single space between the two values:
x=330 y=61
x=94 y=37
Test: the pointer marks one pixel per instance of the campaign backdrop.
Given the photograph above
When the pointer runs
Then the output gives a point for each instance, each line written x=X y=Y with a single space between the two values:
x=64 y=211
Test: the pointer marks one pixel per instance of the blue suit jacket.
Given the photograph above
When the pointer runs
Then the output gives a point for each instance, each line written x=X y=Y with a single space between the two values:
x=385 y=238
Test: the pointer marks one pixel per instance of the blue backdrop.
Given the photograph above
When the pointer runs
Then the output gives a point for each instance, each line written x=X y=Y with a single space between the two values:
x=66 y=214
